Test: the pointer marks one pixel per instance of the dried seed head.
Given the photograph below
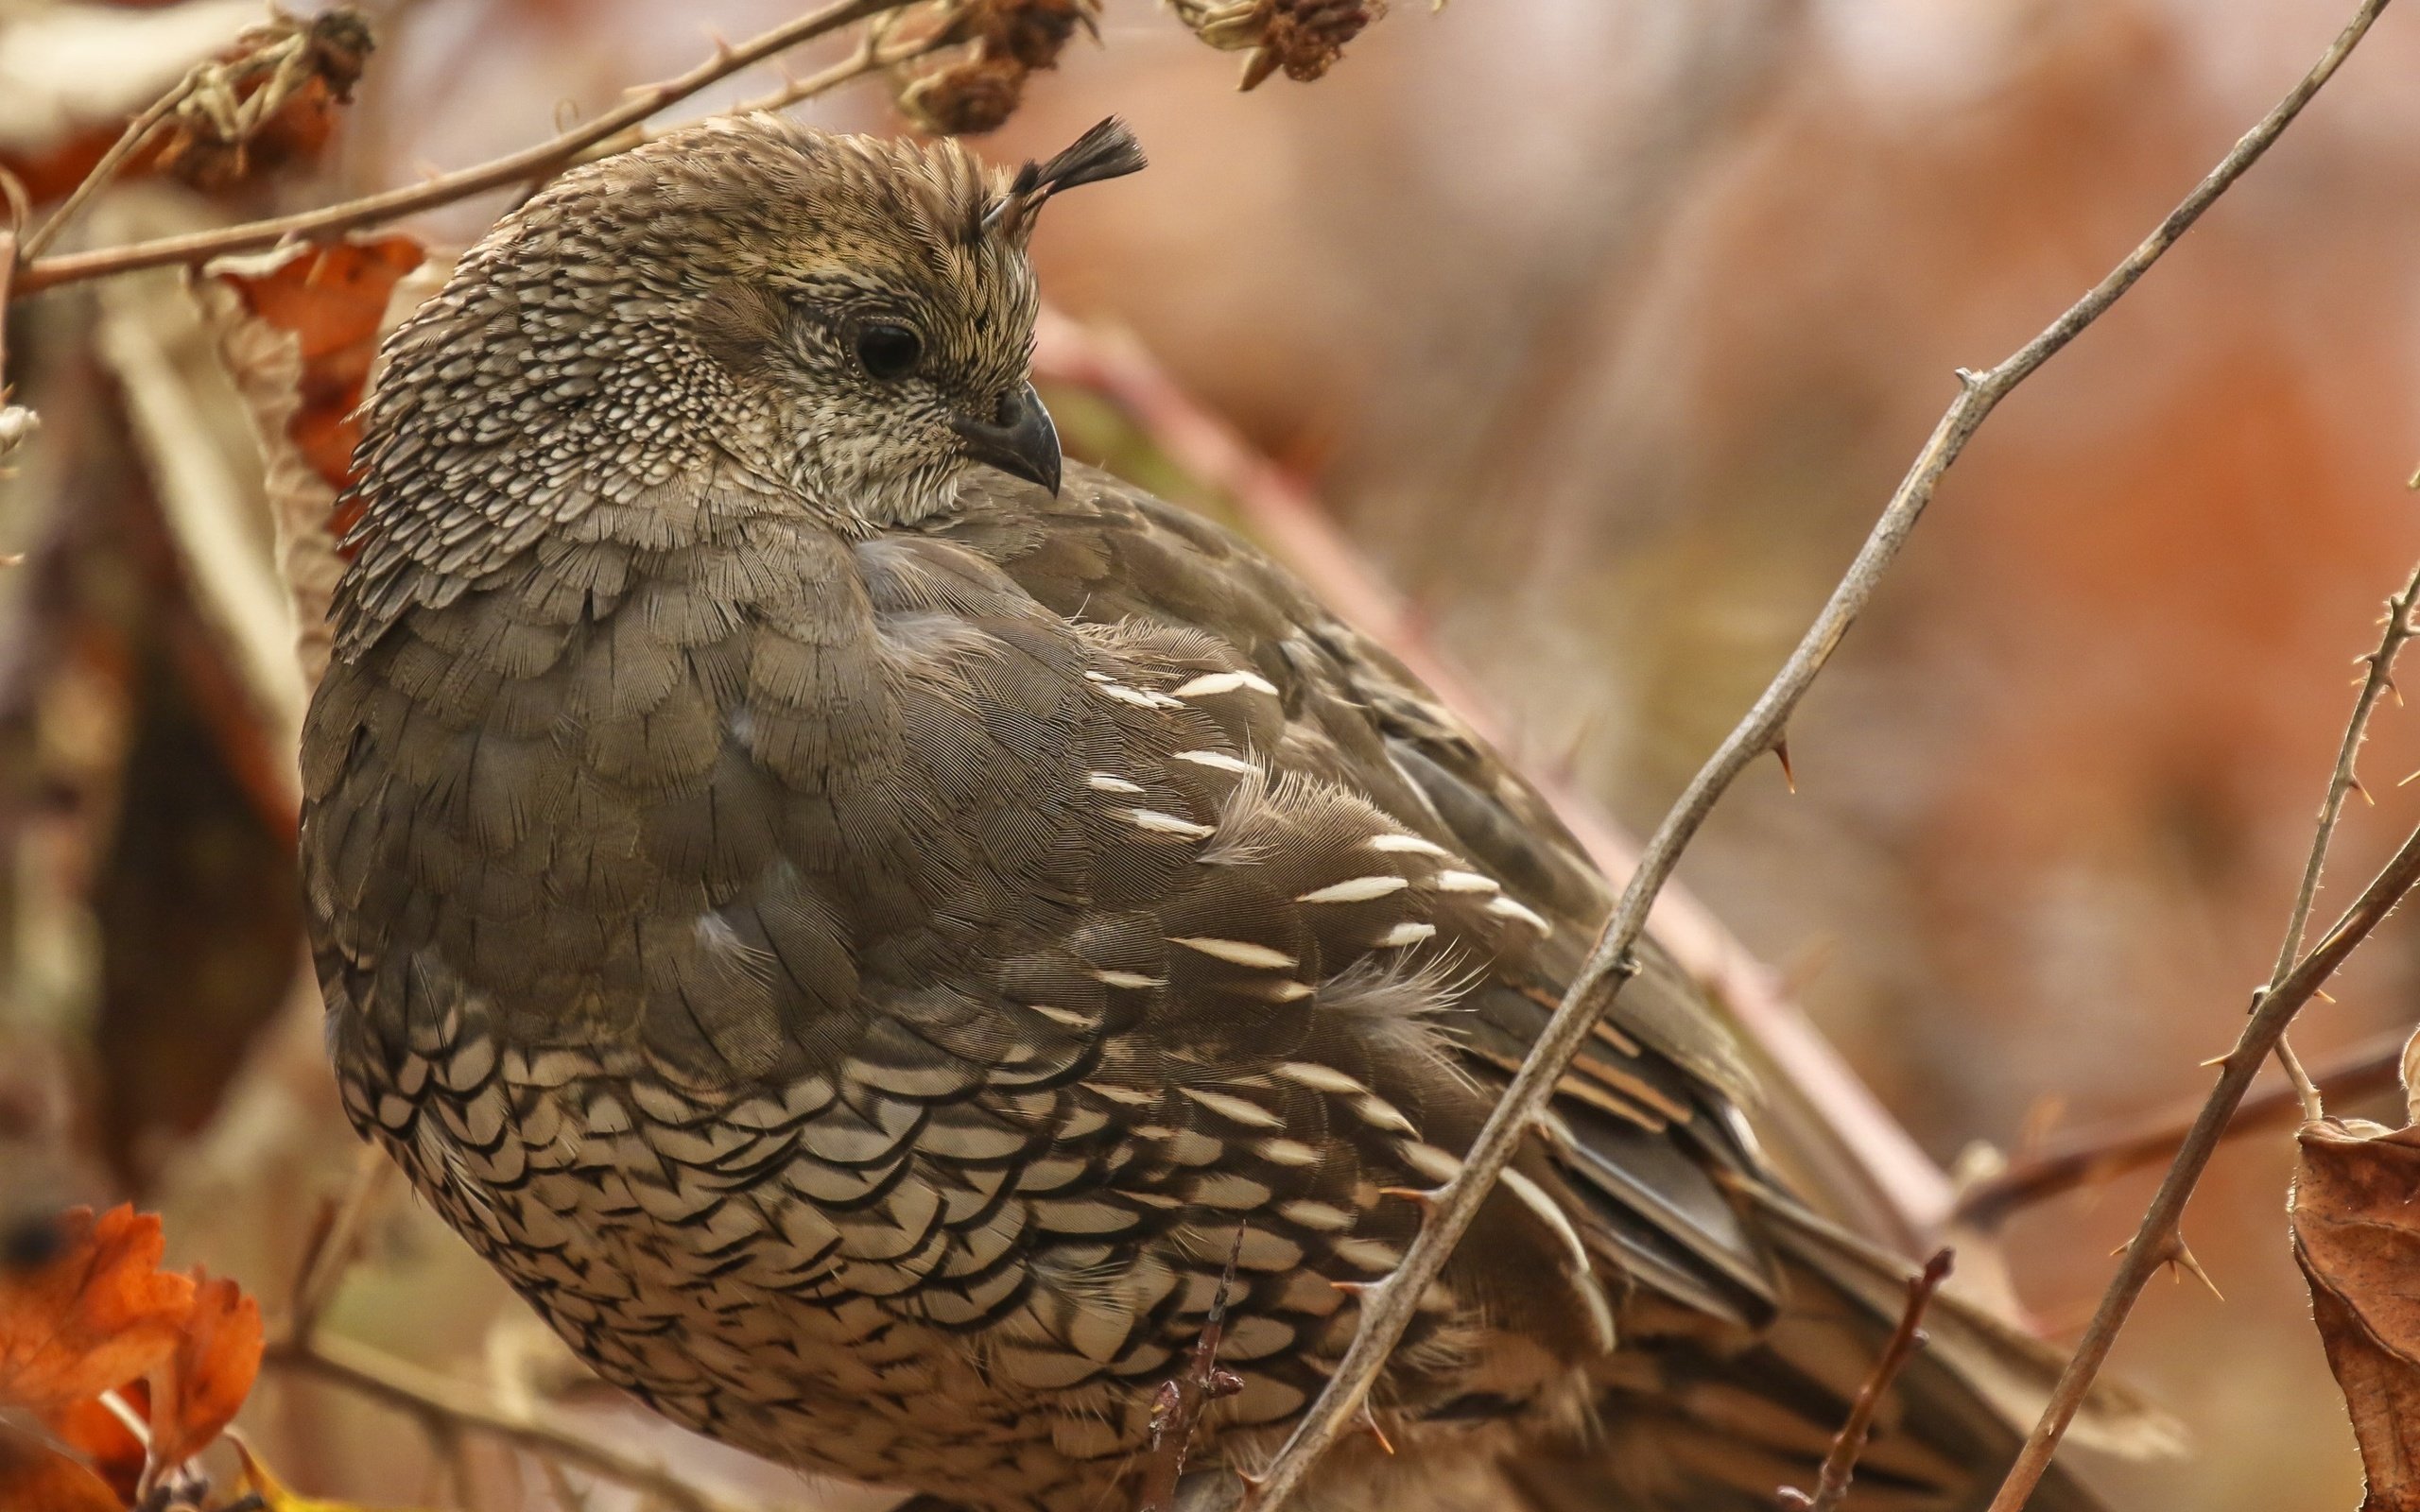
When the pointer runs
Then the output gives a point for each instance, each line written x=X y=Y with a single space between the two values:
x=270 y=97
x=1007 y=39
x=1303 y=38
x=967 y=98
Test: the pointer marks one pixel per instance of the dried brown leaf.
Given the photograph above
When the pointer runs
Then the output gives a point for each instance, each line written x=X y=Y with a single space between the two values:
x=33 y=1474
x=2357 y=1237
x=195 y=1394
x=97 y=1432
x=97 y=1315
x=297 y=330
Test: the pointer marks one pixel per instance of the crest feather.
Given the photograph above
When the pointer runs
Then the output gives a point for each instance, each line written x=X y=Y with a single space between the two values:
x=1108 y=151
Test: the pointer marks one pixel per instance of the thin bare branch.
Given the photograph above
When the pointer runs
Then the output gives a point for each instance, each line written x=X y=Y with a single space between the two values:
x=1177 y=1410
x=2341 y=783
x=870 y=56
x=531 y=162
x=1839 y=1464
x=2094 y=1155
x=337 y=1244
x=448 y=1407
x=277 y=56
x=2155 y=1242
x=8 y=272
x=1610 y=964
x=16 y=421
x=131 y=141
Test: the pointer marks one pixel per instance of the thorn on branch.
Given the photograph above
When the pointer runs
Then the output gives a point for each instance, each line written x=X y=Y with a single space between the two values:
x=1367 y=1422
x=2184 y=1262
x=1839 y=1464
x=1781 y=752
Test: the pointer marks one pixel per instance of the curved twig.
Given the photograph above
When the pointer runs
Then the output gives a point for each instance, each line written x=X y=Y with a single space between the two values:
x=529 y=162
x=450 y=1407
x=1387 y=1310
x=1839 y=1463
x=2342 y=781
x=2155 y=1242
x=2096 y=1155
x=131 y=141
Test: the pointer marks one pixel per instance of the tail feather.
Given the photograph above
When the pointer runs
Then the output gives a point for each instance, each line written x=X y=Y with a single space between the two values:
x=1700 y=1418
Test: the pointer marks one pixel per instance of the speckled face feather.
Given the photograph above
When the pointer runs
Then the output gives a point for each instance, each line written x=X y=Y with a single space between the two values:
x=690 y=307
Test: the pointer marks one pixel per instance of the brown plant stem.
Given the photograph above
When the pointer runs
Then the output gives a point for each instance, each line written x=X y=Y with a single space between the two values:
x=337 y=1244
x=1386 y=1313
x=1177 y=1410
x=2156 y=1244
x=1839 y=1463
x=535 y=161
x=129 y=142
x=8 y=272
x=447 y=1406
x=2093 y=1156
x=2341 y=781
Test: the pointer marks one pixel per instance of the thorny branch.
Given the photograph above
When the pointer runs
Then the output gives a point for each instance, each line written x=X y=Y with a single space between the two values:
x=2342 y=781
x=1839 y=1463
x=530 y=163
x=1389 y=1310
x=2156 y=1244
x=2156 y=1241
x=2096 y=1155
x=278 y=57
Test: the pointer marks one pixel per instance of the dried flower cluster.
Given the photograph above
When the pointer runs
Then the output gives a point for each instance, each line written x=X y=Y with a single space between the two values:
x=1301 y=37
x=273 y=91
x=1009 y=40
x=129 y=1371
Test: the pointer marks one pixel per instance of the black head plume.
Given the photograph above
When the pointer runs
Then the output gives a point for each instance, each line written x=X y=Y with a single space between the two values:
x=1108 y=151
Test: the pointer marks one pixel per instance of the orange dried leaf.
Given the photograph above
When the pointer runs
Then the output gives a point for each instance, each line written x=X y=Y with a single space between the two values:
x=2357 y=1237
x=297 y=330
x=194 y=1396
x=33 y=1474
x=100 y=1434
x=331 y=297
x=97 y=1315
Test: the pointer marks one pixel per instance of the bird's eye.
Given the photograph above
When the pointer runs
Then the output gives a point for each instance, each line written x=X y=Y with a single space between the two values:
x=889 y=350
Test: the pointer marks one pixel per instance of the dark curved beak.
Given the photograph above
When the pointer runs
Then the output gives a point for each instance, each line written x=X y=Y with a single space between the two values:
x=1019 y=440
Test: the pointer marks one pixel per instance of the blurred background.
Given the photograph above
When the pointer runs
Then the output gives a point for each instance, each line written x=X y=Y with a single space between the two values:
x=1601 y=329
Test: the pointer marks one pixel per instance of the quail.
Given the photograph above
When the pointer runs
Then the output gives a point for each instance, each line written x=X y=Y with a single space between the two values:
x=862 y=920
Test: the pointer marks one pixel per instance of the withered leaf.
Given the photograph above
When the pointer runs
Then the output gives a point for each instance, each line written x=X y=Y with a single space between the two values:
x=97 y=1315
x=297 y=330
x=331 y=297
x=2356 y=1215
x=33 y=1474
x=101 y=1436
x=195 y=1395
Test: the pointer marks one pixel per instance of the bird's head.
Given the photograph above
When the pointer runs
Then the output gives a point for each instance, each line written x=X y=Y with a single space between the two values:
x=847 y=320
